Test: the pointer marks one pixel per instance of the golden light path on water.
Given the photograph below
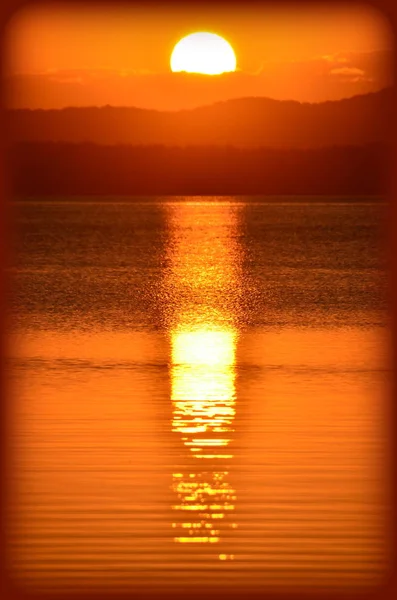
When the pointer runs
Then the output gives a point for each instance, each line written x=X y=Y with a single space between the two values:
x=203 y=354
x=203 y=397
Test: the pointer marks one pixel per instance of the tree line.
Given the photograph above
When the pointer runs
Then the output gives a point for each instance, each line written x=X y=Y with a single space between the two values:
x=52 y=168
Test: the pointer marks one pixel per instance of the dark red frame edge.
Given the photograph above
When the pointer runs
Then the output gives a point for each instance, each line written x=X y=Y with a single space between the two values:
x=389 y=590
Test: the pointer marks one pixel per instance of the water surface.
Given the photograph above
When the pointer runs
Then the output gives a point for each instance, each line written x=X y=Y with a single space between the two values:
x=199 y=393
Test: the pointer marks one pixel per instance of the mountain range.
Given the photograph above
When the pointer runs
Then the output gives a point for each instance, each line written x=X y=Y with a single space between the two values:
x=243 y=122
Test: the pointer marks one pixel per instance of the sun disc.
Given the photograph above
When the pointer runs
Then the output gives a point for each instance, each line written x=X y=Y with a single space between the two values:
x=203 y=52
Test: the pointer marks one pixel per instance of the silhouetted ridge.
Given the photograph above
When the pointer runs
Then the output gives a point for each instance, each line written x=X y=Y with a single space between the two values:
x=242 y=122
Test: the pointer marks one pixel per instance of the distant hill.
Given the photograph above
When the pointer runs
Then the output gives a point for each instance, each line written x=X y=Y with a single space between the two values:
x=53 y=169
x=245 y=122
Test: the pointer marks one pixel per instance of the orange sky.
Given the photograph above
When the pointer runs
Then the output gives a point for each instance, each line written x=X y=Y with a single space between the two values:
x=60 y=55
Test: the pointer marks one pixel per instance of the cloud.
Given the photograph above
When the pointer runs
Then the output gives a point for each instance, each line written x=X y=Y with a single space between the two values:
x=66 y=79
x=348 y=71
x=335 y=58
x=358 y=79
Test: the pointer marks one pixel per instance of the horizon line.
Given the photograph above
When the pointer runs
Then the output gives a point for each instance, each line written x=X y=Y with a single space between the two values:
x=201 y=106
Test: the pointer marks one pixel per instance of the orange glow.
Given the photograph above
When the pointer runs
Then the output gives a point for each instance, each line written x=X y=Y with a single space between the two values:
x=63 y=55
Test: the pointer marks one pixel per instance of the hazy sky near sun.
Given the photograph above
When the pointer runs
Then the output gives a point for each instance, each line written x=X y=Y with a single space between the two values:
x=64 y=54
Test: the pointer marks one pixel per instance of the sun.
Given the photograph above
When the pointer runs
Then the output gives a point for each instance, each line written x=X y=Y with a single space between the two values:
x=203 y=52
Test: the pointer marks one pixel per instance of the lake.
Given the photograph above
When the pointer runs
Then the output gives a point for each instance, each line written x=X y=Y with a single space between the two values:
x=199 y=394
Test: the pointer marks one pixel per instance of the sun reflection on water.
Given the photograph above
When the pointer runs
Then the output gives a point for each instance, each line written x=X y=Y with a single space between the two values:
x=203 y=337
x=203 y=396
